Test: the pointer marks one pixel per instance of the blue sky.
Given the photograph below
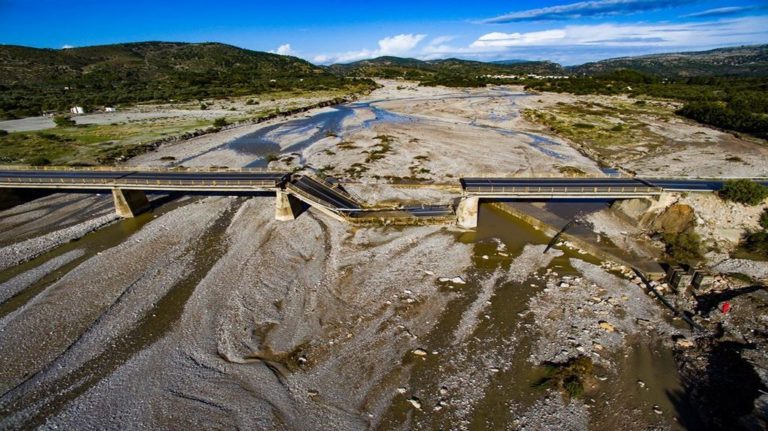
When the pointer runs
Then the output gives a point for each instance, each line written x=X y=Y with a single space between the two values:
x=568 y=32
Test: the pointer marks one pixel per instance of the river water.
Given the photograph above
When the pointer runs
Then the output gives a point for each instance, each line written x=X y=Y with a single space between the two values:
x=296 y=135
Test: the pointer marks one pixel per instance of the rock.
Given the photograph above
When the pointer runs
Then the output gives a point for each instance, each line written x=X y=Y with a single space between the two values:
x=428 y=272
x=641 y=383
x=420 y=352
x=313 y=393
x=485 y=257
x=443 y=391
x=401 y=390
x=454 y=280
x=415 y=402
x=408 y=292
x=606 y=326
x=302 y=360
x=495 y=370
x=684 y=343
x=565 y=284
x=657 y=409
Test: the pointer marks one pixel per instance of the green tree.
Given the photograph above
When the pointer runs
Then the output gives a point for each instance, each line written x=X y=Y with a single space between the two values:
x=744 y=191
x=684 y=246
x=764 y=219
x=62 y=121
x=220 y=122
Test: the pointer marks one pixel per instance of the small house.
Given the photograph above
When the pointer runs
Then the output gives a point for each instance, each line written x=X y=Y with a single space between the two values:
x=77 y=110
x=110 y=109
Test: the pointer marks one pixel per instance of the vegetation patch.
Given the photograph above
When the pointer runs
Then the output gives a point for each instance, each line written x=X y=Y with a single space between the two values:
x=684 y=246
x=744 y=191
x=569 y=377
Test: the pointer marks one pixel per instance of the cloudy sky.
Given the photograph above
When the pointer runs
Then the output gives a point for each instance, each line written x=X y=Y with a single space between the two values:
x=568 y=32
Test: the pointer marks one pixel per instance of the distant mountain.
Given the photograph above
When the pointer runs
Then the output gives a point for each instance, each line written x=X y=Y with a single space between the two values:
x=34 y=80
x=411 y=68
x=512 y=61
x=741 y=61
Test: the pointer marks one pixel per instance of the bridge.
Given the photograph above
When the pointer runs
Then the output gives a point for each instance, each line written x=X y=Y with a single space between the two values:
x=609 y=187
x=293 y=192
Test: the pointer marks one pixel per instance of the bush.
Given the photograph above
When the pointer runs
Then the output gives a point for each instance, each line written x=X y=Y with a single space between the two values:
x=684 y=246
x=220 y=122
x=757 y=242
x=38 y=161
x=62 y=121
x=568 y=377
x=3 y=132
x=744 y=191
x=764 y=219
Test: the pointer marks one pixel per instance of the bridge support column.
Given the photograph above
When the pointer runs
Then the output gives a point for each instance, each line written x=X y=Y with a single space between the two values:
x=130 y=203
x=466 y=212
x=287 y=207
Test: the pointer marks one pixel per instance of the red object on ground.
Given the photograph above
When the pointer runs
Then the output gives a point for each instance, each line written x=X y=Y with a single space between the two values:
x=725 y=307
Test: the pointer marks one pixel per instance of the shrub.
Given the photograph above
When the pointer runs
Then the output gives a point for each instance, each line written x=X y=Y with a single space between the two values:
x=744 y=191
x=3 y=132
x=684 y=246
x=38 y=161
x=764 y=219
x=757 y=242
x=568 y=377
x=220 y=122
x=62 y=121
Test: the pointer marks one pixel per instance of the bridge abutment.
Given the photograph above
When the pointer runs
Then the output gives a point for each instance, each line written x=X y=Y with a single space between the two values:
x=287 y=207
x=467 y=212
x=129 y=203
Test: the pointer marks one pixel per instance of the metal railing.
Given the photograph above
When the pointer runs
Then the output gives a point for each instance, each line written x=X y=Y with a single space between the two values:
x=490 y=189
x=138 y=169
x=126 y=181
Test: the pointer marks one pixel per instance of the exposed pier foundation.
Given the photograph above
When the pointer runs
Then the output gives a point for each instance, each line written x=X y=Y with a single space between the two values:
x=130 y=203
x=287 y=207
x=467 y=212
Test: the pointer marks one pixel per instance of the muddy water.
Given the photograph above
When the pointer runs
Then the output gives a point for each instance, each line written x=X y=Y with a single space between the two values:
x=505 y=334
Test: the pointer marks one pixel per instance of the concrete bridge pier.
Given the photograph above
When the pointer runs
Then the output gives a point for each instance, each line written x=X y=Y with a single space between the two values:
x=129 y=203
x=287 y=207
x=467 y=212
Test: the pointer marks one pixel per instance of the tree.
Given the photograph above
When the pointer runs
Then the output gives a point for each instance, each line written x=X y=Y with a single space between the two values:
x=744 y=191
x=62 y=121
x=764 y=219
x=220 y=122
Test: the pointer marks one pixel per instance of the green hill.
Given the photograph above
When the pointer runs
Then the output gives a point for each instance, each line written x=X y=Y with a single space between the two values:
x=426 y=70
x=34 y=80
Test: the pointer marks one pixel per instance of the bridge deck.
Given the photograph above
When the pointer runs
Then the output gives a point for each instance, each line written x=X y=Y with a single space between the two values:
x=143 y=180
x=535 y=187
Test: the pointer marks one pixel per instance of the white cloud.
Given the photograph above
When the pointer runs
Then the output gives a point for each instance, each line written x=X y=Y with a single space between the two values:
x=67 y=46
x=401 y=44
x=590 y=8
x=726 y=32
x=497 y=39
x=284 y=49
x=441 y=40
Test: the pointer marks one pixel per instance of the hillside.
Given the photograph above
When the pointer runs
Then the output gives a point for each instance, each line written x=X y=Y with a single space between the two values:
x=33 y=80
x=410 y=68
x=741 y=61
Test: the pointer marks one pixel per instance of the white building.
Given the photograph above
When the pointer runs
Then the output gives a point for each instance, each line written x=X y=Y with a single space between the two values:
x=77 y=110
x=110 y=109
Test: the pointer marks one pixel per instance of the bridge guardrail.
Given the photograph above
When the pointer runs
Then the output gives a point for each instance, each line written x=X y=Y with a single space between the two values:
x=567 y=190
x=130 y=182
x=136 y=169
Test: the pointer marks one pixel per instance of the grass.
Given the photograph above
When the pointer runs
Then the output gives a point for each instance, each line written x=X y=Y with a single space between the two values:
x=606 y=127
x=379 y=150
x=89 y=144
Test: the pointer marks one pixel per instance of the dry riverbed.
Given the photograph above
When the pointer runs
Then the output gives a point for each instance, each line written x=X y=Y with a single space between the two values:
x=208 y=313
